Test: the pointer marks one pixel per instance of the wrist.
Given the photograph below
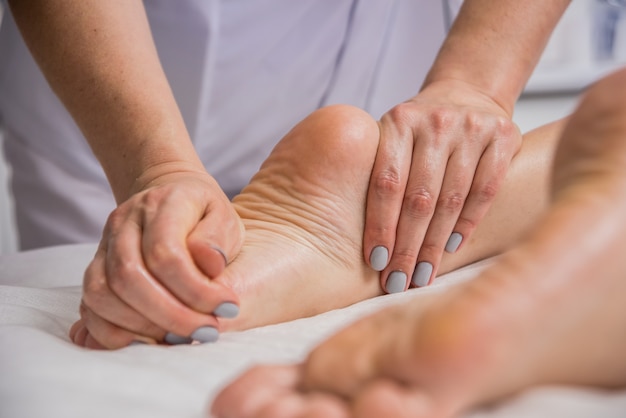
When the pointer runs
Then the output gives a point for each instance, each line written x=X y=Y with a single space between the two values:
x=463 y=93
x=461 y=81
x=166 y=172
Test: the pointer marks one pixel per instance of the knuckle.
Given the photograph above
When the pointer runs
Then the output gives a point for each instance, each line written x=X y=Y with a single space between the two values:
x=419 y=203
x=440 y=119
x=509 y=133
x=401 y=113
x=115 y=219
x=387 y=183
x=487 y=192
x=380 y=233
x=405 y=257
x=473 y=122
x=120 y=273
x=505 y=126
x=451 y=202
x=431 y=249
x=465 y=225
x=150 y=200
x=164 y=256
x=94 y=292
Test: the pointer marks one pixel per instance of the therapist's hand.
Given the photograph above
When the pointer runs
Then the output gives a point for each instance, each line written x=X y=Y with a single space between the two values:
x=441 y=160
x=150 y=279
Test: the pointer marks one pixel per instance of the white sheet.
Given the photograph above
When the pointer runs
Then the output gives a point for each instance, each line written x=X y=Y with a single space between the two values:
x=43 y=375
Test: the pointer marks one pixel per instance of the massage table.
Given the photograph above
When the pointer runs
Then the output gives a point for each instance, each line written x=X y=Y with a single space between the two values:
x=42 y=374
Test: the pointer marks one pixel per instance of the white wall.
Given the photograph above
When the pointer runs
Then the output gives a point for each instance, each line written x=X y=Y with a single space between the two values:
x=8 y=240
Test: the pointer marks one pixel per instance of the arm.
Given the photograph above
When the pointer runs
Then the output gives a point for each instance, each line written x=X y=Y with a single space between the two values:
x=495 y=46
x=100 y=60
x=174 y=228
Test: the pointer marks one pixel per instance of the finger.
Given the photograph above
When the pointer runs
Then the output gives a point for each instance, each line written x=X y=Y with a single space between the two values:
x=385 y=193
x=165 y=254
x=103 y=334
x=75 y=327
x=488 y=179
x=80 y=334
x=212 y=248
x=91 y=343
x=325 y=405
x=294 y=404
x=131 y=282
x=456 y=185
x=99 y=298
x=418 y=207
x=385 y=397
x=343 y=363
x=250 y=393
x=214 y=242
x=210 y=259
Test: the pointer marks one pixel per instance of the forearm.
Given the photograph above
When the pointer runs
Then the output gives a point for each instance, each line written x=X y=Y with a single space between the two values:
x=100 y=59
x=495 y=45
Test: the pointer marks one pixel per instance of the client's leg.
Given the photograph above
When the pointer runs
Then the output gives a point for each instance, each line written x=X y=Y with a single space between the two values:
x=304 y=215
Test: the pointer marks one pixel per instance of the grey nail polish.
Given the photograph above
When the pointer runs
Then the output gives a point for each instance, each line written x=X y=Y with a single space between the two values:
x=453 y=242
x=137 y=342
x=396 y=282
x=379 y=258
x=205 y=334
x=227 y=310
x=175 y=339
x=421 y=275
x=219 y=250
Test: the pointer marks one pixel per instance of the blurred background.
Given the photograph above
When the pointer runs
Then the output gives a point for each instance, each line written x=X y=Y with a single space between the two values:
x=589 y=42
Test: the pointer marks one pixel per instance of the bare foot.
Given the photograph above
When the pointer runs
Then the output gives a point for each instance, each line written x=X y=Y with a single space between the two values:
x=304 y=213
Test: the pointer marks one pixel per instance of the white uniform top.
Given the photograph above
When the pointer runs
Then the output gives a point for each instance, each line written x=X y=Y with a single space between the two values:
x=243 y=73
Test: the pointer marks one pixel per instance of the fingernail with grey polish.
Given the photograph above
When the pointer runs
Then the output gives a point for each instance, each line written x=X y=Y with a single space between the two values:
x=421 y=275
x=175 y=339
x=453 y=242
x=396 y=282
x=226 y=310
x=205 y=334
x=137 y=342
x=379 y=258
x=219 y=250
